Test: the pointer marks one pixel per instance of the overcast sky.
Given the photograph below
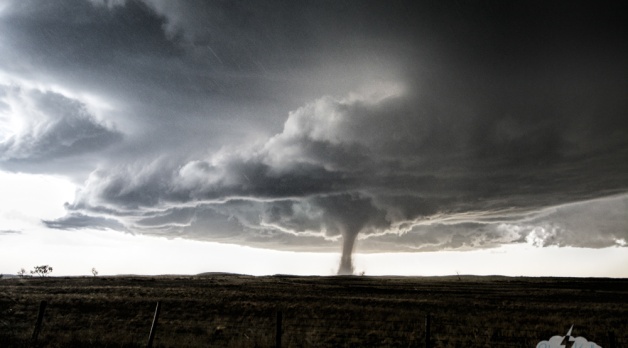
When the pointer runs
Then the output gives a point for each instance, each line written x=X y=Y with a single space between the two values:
x=291 y=127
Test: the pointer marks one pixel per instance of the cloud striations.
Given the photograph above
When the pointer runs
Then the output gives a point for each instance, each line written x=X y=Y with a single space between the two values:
x=402 y=126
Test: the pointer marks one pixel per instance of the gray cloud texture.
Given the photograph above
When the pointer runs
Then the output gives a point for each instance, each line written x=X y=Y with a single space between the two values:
x=402 y=125
x=78 y=221
x=52 y=127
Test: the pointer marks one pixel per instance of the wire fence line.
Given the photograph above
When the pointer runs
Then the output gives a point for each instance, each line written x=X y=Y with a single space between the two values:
x=296 y=328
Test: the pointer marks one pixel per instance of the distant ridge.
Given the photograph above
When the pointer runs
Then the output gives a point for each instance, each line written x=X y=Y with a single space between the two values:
x=223 y=274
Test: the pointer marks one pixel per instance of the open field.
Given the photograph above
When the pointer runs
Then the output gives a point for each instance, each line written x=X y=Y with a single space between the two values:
x=240 y=311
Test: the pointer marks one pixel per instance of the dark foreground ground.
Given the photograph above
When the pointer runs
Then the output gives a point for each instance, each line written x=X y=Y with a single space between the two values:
x=223 y=310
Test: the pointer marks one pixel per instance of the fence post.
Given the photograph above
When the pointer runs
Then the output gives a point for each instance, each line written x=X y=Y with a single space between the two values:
x=611 y=339
x=153 y=327
x=40 y=320
x=279 y=330
x=427 y=331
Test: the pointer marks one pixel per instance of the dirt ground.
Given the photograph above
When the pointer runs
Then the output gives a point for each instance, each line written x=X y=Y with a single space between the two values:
x=225 y=310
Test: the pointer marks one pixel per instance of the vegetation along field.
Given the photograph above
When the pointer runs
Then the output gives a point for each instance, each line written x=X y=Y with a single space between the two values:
x=223 y=310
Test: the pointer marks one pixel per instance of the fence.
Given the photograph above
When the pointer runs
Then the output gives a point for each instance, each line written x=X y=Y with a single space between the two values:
x=288 y=328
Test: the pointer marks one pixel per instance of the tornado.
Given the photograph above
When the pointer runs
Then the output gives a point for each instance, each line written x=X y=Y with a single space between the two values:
x=348 y=215
x=346 y=260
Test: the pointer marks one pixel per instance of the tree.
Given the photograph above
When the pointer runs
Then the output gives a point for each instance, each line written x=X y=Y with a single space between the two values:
x=42 y=271
x=94 y=271
x=21 y=273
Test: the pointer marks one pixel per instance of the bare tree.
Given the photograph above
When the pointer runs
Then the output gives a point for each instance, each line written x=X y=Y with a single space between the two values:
x=42 y=271
x=21 y=273
x=94 y=271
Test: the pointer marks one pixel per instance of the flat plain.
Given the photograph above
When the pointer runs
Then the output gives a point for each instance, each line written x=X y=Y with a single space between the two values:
x=226 y=310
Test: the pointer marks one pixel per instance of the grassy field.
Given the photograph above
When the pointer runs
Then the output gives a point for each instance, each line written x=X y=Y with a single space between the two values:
x=224 y=310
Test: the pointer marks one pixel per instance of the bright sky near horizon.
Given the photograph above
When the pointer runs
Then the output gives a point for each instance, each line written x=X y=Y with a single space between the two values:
x=398 y=138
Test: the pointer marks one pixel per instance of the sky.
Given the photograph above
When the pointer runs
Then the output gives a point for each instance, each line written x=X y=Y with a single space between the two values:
x=314 y=137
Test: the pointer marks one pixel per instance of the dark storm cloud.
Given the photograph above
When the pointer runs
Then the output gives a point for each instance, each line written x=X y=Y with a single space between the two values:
x=589 y=224
x=572 y=225
x=71 y=35
x=53 y=127
x=79 y=221
x=406 y=125
x=320 y=174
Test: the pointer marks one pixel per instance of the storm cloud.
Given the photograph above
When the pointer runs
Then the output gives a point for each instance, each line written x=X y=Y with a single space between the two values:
x=392 y=126
x=51 y=127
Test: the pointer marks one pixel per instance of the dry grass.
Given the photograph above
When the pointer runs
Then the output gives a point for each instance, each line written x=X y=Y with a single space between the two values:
x=240 y=311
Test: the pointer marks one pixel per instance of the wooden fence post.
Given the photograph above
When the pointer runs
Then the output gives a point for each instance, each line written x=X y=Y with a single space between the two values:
x=279 y=330
x=40 y=320
x=153 y=327
x=427 y=331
